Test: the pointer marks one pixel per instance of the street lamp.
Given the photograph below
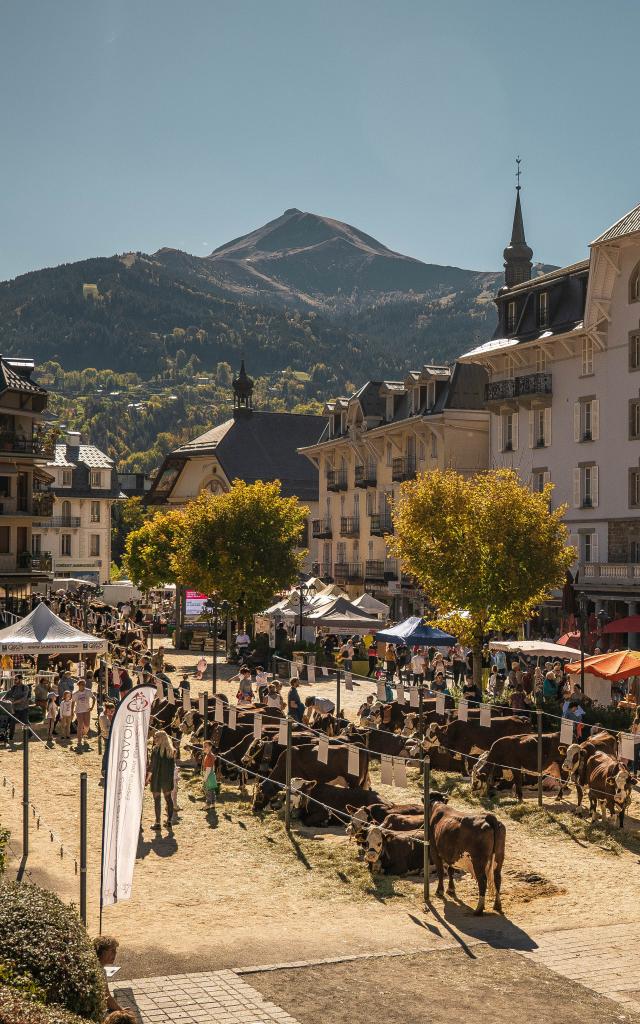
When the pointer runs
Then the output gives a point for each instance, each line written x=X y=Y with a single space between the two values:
x=305 y=590
x=213 y=608
x=583 y=605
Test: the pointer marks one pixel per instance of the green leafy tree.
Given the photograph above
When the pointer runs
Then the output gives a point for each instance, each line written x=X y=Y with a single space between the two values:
x=126 y=516
x=484 y=545
x=150 y=550
x=242 y=544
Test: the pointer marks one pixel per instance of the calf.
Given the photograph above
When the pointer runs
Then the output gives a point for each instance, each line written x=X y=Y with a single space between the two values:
x=610 y=785
x=308 y=797
x=577 y=755
x=394 y=853
x=512 y=758
x=481 y=837
x=305 y=765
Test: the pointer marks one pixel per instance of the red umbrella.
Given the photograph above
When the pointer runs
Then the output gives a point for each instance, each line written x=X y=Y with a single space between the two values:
x=614 y=665
x=629 y=625
x=569 y=639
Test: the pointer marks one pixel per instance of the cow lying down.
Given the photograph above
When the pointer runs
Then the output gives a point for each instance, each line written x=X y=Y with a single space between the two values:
x=455 y=836
x=318 y=804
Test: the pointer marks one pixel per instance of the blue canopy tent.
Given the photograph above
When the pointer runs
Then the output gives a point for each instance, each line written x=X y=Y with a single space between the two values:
x=414 y=631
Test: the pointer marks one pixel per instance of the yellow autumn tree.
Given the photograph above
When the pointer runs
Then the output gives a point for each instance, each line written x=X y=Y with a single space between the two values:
x=486 y=545
x=149 y=550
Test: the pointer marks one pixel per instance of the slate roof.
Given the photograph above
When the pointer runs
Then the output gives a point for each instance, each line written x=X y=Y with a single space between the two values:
x=627 y=225
x=65 y=455
x=12 y=380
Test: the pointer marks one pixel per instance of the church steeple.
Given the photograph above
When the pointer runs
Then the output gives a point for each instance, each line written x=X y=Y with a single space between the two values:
x=242 y=393
x=517 y=255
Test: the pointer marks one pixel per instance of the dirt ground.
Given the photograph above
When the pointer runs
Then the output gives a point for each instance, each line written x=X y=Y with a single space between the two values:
x=482 y=983
x=230 y=889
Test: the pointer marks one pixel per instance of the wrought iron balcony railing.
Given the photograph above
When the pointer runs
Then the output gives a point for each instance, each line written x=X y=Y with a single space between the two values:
x=337 y=480
x=403 y=468
x=349 y=526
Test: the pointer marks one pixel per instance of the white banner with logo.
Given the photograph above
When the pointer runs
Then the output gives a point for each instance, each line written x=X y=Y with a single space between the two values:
x=124 y=791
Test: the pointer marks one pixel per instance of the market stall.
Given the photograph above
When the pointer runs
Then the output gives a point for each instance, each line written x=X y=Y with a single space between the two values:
x=602 y=670
x=535 y=648
x=415 y=631
x=43 y=632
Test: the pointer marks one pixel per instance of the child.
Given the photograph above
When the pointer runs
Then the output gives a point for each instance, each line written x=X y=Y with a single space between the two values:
x=51 y=715
x=209 y=780
x=66 y=714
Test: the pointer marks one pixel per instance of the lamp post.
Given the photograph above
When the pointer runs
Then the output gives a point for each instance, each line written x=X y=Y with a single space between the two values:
x=583 y=604
x=305 y=590
x=213 y=608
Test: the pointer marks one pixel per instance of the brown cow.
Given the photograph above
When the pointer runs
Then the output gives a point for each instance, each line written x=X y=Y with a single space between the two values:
x=482 y=837
x=610 y=784
x=305 y=765
x=512 y=758
x=319 y=804
x=394 y=853
x=577 y=755
x=467 y=739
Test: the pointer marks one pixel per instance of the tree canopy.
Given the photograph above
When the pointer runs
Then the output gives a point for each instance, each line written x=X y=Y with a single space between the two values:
x=149 y=551
x=486 y=545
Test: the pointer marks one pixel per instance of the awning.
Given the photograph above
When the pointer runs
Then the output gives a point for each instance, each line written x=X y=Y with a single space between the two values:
x=43 y=632
x=615 y=665
x=631 y=624
x=536 y=648
x=370 y=605
x=414 y=631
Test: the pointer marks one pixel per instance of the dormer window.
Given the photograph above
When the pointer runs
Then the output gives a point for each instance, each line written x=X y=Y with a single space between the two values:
x=389 y=409
x=343 y=422
x=543 y=309
x=512 y=316
x=634 y=285
x=431 y=394
x=95 y=479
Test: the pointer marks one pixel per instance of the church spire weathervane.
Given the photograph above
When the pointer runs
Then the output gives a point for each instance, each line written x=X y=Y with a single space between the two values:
x=518 y=172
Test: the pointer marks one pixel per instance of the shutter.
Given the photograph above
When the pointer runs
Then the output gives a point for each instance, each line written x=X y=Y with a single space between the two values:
x=576 y=421
x=532 y=418
x=514 y=432
x=595 y=419
x=501 y=432
x=594 y=547
x=576 y=487
x=547 y=426
x=546 y=477
x=594 y=487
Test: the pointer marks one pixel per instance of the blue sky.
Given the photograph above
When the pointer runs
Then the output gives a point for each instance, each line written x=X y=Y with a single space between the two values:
x=132 y=124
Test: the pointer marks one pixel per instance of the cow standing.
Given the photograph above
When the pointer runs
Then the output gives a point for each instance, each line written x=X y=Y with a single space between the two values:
x=482 y=837
x=512 y=759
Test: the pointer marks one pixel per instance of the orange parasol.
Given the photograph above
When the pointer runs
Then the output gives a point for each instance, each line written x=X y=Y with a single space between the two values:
x=614 y=665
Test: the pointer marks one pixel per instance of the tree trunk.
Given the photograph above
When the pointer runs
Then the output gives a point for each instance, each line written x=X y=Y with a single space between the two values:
x=477 y=662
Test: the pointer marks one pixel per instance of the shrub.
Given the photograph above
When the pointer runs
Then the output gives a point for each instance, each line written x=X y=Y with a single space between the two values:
x=4 y=839
x=19 y=1009
x=42 y=937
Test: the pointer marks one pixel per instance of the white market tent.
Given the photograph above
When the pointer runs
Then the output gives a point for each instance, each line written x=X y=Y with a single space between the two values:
x=42 y=632
x=371 y=606
x=341 y=616
x=536 y=648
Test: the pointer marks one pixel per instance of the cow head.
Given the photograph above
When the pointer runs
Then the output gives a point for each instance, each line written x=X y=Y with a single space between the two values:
x=376 y=715
x=187 y=724
x=300 y=789
x=410 y=724
x=374 y=848
x=481 y=774
x=622 y=795
x=357 y=827
x=433 y=736
x=253 y=753
x=571 y=761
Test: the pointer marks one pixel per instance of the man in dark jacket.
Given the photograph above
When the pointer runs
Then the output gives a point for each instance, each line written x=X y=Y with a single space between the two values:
x=19 y=697
x=295 y=707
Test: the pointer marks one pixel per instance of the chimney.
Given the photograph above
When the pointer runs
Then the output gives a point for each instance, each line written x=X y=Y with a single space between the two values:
x=73 y=438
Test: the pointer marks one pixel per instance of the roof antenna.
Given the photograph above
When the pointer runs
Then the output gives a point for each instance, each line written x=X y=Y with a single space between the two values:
x=518 y=172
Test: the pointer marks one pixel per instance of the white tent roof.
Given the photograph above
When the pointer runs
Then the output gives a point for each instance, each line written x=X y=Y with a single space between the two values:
x=341 y=615
x=42 y=631
x=371 y=605
x=534 y=647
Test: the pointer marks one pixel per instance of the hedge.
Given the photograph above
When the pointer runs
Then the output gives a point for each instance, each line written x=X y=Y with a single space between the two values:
x=19 y=1009
x=42 y=937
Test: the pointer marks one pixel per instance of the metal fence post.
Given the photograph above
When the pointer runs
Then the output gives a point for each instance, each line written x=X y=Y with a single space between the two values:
x=539 y=714
x=205 y=717
x=426 y=787
x=83 y=848
x=287 y=806
x=338 y=677
x=25 y=792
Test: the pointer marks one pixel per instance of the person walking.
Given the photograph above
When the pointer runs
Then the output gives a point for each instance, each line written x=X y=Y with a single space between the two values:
x=104 y=725
x=209 y=778
x=66 y=715
x=390 y=662
x=372 y=655
x=41 y=694
x=160 y=777
x=51 y=716
x=19 y=697
x=294 y=702
x=83 y=704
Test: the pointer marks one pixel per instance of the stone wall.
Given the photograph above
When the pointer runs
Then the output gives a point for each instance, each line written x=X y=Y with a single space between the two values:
x=622 y=533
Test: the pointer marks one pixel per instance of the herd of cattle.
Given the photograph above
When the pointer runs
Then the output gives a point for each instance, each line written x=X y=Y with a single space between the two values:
x=335 y=788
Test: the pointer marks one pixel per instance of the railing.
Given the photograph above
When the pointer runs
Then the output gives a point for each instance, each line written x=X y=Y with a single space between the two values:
x=349 y=526
x=381 y=569
x=322 y=569
x=516 y=387
x=41 y=562
x=615 y=574
x=348 y=571
x=321 y=528
x=337 y=480
x=381 y=524
x=42 y=504
x=60 y=521
x=35 y=445
x=403 y=468
x=365 y=475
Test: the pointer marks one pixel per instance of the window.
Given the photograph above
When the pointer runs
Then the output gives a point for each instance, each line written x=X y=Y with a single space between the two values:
x=585 y=486
x=539 y=478
x=95 y=478
x=95 y=511
x=431 y=394
x=389 y=408
x=634 y=285
x=67 y=477
x=36 y=544
x=539 y=427
x=634 y=350
x=421 y=451
x=634 y=551
x=389 y=454
x=510 y=366
x=541 y=360
x=589 y=547
x=586 y=420
x=5 y=486
x=5 y=537
x=587 y=357
x=434 y=445
x=512 y=315
x=634 y=488
x=543 y=309
x=371 y=502
x=66 y=510
x=634 y=419
x=65 y=544
x=94 y=545
x=509 y=425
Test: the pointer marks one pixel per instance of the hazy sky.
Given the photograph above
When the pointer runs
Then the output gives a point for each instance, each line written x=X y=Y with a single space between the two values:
x=132 y=124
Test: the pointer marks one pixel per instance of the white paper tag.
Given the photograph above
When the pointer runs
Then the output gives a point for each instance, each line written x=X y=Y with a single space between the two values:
x=348 y=681
x=463 y=711
x=323 y=749
x=627 y=746
x=386 y=770
x=186 y=700
x=399 y=773
x=566 y=731
x=233 y=718
x=311 y=673
x=400 y=694
x=257 y=727
x=485 y=715
x=353 y=762
x=219 y=712
x=440 y=704
x=81 y=670
x=201 y=703
x=324 y=670
x=282 y=732
x=170 y=695
x=159 y=691
x=381 y=691
x=414 y=697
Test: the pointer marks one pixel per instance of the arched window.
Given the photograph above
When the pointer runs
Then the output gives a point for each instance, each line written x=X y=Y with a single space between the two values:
x=634 y=285
x=214 y=485
x=66 y=510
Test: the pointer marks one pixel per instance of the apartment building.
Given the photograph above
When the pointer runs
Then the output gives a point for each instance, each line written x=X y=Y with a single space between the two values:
x=24 y=481
x=78 y=533
x=563 y=392
x=382 y=435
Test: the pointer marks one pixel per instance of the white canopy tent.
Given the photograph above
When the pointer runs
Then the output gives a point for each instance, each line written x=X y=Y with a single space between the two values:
x=42 y=632
x=371 y=606
x=536 y=648
x=341 y=616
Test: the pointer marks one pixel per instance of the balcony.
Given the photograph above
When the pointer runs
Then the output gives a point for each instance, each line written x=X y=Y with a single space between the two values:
x=59 y=522
x=528 y=386
x=42 y=504
x=321 y=528
x=381 y=570
x=337 y=480
x=403 y=468
x=18 y=444
x=42 y=562
x=349 y=526
x=365 y=475
x=380 y=525
x=348 y=572
x=321 y=569
x=622 y=575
